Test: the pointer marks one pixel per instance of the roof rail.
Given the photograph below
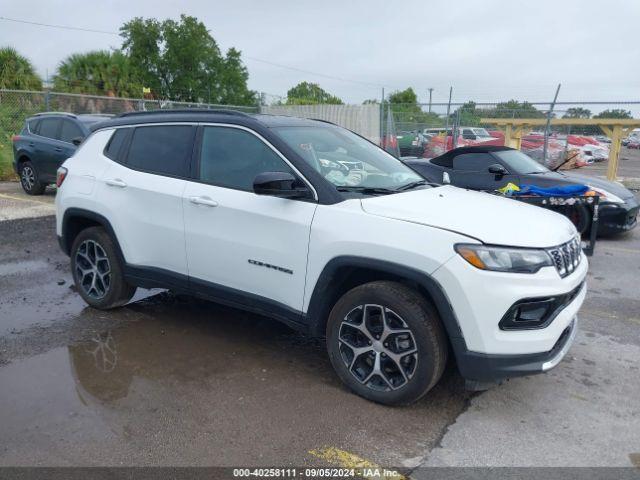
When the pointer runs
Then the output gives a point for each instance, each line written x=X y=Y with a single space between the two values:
x=68 y=114
x=222 y=111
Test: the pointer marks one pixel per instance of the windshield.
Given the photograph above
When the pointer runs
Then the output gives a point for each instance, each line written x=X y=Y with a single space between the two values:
x=481 y=132
x=520 y=163
x=347 y=160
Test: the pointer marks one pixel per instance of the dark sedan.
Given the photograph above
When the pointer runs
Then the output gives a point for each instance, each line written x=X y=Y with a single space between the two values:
x=491 y=167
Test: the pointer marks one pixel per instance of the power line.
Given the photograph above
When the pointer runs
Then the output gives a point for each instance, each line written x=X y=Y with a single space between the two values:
x=63 y=27
x=300 y=70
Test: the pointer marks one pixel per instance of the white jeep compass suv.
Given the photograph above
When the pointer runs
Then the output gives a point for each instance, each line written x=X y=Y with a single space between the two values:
x=319 y=228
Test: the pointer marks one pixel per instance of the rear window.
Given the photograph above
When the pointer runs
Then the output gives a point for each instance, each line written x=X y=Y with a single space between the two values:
x=163 y=149
x=115 y=143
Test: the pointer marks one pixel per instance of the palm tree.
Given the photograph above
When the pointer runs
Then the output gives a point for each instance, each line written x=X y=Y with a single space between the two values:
x=16 y=71
x=99 y=73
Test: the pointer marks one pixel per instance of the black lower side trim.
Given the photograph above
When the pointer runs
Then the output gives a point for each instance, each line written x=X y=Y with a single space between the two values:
x=150 y=277
x=482 y=367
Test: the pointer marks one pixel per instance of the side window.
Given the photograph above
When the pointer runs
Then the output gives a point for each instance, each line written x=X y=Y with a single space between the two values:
x=162 y=149
x=232 y=158
x=473 y=162
x=70 y=131
x=49 y=127
x=115 y=143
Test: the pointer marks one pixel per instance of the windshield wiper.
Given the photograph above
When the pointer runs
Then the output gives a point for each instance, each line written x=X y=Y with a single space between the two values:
x=411 y=185
x=369 y=190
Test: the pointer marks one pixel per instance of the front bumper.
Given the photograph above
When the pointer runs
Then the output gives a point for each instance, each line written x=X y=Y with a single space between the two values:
x=618 y=217
x=480 y=367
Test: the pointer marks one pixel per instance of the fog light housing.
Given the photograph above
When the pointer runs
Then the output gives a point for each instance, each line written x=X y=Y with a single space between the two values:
x=532 y=313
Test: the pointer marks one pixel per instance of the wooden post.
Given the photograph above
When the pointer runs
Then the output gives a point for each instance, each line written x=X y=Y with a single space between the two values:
x=614 y=152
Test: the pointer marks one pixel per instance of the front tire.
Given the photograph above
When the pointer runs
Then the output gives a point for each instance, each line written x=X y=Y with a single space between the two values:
x=97 y=270
x=386 y=343
x=30 y=179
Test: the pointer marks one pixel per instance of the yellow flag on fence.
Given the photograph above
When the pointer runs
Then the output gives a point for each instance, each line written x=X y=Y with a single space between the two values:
x=146 y=89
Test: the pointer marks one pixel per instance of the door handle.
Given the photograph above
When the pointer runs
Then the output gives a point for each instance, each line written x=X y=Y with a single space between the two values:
x=58 y=149
x=206 y=201
x=31 y=144
x=115 y=182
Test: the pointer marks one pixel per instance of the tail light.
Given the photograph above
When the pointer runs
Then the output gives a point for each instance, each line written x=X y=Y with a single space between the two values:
x=15 y=138
x=61 y=174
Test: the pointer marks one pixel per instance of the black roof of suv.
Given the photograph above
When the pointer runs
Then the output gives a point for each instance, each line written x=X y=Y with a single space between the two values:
x=202 y=115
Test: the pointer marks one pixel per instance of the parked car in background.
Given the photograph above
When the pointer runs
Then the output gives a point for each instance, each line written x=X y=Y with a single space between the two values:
x=634 y=142
x=45 y=141
x=411 y=143
x=317 y=227
x=489 y=168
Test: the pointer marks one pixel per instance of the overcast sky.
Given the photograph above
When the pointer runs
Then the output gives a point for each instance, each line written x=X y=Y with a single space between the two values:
x=488 y=50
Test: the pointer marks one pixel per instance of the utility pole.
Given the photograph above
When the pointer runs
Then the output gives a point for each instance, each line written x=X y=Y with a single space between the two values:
x=430 y=94
x=446 y=128
x=382 y=119
x=547 y=127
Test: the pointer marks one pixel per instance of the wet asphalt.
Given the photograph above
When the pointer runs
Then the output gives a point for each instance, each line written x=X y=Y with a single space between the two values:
x=176 y=381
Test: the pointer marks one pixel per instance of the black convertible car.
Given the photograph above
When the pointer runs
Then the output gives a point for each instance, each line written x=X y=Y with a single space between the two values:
x=492 y=167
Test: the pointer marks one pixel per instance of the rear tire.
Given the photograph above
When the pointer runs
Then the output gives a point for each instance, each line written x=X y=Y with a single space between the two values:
x=30 y=179
x=386 y=343
x=97 y=270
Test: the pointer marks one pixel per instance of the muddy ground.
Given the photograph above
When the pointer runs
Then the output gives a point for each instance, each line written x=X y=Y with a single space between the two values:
x=176 y=381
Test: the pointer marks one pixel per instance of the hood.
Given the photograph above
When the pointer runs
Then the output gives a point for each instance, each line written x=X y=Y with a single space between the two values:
x=609 y=186
x=485 y=217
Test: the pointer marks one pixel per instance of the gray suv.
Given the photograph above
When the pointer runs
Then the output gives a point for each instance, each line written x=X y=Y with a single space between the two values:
x=45 y=141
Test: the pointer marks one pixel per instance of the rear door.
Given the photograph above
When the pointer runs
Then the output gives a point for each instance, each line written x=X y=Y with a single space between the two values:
x=143 y=190
x=47 y=148
x=471 y=170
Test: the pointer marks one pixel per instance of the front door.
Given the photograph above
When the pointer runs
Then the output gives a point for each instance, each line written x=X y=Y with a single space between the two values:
x=247 y=247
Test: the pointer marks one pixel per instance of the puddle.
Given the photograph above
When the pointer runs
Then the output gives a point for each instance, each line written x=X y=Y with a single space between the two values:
x=19 y=268
x=191 y=383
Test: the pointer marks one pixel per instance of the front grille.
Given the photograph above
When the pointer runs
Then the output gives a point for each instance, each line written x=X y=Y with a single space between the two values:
x=567 y=256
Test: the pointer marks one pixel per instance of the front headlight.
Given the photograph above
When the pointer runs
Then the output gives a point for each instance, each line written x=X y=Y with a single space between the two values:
x=606 y=196
x=504 y=259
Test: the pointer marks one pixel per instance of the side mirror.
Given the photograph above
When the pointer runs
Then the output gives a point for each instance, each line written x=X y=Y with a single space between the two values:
x=445 y=178
x=77 y=141
x=497 y=169
x=279 y=184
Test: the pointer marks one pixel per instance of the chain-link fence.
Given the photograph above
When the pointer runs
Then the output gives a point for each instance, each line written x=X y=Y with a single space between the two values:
x=425 y=130
x=422 y=130
x=17 y=105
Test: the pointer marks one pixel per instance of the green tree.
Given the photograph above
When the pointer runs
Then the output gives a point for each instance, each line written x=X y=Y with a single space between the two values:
x=614 y=113
x=306 y=93
x=98 y=73
x=469 y=115
x=577 y=112
x=180 y=60
x=408 y=113
x=513 y=109
x=17 y=72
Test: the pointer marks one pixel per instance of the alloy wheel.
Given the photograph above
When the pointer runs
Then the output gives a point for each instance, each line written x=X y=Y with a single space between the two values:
x=28 y=177
x=377 y=347
x=93 y=269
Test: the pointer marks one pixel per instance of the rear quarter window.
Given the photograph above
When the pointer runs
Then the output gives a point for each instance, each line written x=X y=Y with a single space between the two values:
x=115 y=143
x=32 y=125
x=162 y=149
